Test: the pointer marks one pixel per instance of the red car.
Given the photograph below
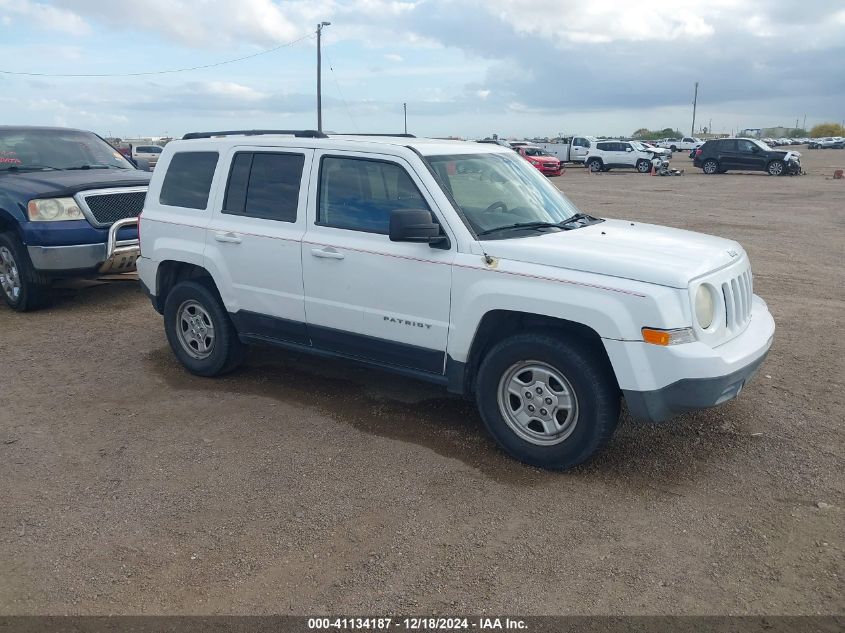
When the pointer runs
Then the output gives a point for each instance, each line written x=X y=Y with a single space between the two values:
x=542 y=160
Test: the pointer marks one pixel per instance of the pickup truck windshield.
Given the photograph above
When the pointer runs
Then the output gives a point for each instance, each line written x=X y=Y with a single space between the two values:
x=35 y=149
x=500 y=190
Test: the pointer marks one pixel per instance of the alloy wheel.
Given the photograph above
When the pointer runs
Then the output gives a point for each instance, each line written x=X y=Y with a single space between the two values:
x=10 y=277
x=538 y=403
x=195 y=329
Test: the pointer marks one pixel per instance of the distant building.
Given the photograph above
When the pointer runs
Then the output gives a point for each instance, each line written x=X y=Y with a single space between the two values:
x=753 y=132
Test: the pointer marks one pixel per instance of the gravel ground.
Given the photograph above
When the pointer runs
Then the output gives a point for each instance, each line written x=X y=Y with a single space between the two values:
x=301 y=486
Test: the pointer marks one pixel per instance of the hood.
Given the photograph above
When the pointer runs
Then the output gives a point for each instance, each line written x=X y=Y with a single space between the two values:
x=542 y=159
x=66 y=183
x=642 y=252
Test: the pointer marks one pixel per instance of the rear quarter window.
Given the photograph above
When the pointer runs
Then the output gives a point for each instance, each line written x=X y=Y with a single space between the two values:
x=188 y=180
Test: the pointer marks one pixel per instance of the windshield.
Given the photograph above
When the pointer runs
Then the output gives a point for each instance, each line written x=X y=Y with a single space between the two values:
x=535 y=151
x=500 y=190
x=48 y=149
x=761 y=145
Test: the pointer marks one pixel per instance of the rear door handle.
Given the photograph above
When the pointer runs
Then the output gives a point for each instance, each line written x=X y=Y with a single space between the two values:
x=326 y=253
x=229 y=237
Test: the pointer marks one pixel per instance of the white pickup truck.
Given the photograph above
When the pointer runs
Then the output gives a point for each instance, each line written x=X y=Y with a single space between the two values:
x=452 y=262
x=569 y=150
x=687 y=143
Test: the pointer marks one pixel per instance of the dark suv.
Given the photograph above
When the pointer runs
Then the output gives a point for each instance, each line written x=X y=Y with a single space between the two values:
x=745 y=154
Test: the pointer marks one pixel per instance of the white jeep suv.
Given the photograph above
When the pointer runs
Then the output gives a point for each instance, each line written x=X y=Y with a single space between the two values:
x=606 y=155
x=453 y=262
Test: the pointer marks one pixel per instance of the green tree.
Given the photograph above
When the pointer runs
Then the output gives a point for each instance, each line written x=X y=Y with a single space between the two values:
x=827 y=129
x=641 y=133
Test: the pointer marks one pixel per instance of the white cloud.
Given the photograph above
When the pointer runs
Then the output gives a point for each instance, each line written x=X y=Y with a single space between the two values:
x=44 y=16
x=393 y=57
x=234 y=90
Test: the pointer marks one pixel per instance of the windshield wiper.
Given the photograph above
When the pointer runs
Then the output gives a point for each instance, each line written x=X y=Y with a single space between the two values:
x=91 y=167
x=521 y=225
x=31 y=168
x=579 y=216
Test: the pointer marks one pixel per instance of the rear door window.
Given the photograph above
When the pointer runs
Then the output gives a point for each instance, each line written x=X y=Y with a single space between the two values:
x=264 y=185
x=188 y=180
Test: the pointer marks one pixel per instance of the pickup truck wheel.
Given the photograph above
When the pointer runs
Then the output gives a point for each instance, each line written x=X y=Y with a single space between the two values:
x=23 y=288
x=546 y=400
x=594 y=165
x=643 y=166
x=775 y=168
x=710 y=166
x=200 y=332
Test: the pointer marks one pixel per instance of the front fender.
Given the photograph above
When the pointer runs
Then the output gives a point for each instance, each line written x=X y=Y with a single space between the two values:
x=614 y=308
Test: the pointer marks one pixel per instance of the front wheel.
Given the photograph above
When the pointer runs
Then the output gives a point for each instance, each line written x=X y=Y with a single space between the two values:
x=547 y=400
x=776 y=168
x=643 y=166
x=710 y=166
x=199 y=330
x=23 y=288
x=594 y=166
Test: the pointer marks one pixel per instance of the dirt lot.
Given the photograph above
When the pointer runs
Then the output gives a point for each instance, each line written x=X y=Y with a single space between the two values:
x=302 y=486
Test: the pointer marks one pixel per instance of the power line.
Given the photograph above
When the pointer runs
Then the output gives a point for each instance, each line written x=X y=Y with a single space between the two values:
x=162 y=72
x=342 y=98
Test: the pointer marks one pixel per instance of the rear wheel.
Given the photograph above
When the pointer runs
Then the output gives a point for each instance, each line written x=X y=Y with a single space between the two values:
x=643 y=166
x=710 y=166
x=199 y=330
x=547 y=400
x=775 y=168
x=23 y=288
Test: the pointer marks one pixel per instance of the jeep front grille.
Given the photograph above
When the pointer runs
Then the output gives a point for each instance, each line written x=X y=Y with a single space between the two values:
x=107 y=208
x=738 y=292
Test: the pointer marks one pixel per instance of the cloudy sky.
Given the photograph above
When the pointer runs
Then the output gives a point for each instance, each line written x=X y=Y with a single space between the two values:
x=465 y=67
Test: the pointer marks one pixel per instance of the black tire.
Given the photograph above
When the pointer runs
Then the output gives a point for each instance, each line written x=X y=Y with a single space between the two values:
x=710 y=166
x=32 y=288
x=673 y=148
x=643 y=166
x=776 y=168
x=590 y=378
x=594 y=165
x=226 y=350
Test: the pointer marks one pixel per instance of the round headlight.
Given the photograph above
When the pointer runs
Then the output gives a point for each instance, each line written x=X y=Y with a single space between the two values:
x=704 y=307
x=49 y=209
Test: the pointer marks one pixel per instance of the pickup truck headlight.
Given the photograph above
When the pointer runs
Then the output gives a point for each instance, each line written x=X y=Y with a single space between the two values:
x=705 y=306
x=53 y=210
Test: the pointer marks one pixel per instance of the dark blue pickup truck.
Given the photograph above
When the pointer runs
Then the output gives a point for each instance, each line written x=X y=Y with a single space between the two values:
x=69 y=206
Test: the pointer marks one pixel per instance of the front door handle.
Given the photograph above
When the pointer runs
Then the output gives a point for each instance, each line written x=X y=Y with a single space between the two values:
x=326 y=253
x=229 y=237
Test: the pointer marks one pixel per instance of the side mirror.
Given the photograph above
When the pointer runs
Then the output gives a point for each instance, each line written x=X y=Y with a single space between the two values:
x=628 y=149
x=414 y=225
x=142 y=163
x=755 y=149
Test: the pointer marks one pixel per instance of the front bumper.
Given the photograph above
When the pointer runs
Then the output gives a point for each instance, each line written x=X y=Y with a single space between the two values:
x=689 y=394
x=660 y=382
x=115 y=256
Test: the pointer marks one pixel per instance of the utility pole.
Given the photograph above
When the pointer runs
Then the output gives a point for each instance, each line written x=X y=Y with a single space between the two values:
x=405 y=112
x=805 y=123
x=320 y=77
x=694 y=104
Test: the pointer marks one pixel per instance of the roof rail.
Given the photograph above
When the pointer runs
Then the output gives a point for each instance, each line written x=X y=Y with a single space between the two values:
x=373 y=134
x=297 y=133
